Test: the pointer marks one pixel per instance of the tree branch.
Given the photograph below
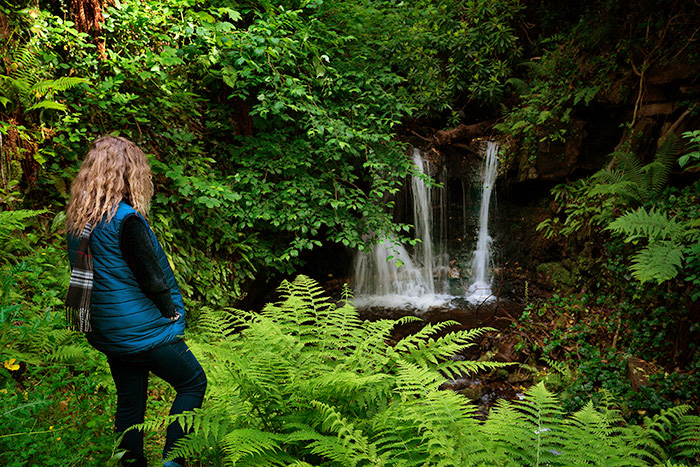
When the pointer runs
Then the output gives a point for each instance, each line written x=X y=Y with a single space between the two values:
x=462 y=132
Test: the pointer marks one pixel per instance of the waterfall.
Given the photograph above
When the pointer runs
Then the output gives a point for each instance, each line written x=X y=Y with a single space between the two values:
x=480 y=289
x=422 y=215
x=388 y=275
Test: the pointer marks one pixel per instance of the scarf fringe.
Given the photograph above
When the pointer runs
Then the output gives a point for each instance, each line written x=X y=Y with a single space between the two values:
x=78 y=319
x=78 y=300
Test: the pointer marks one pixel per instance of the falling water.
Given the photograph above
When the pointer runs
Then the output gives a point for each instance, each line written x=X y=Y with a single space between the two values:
x=480 y=290
x=422 y=215
x=387 y=276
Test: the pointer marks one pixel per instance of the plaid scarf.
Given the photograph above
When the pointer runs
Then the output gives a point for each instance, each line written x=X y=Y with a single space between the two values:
x=80 y=288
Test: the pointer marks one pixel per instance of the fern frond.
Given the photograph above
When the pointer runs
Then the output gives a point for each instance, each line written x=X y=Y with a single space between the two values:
x=285 y=392
x=25 y=58
x=461 y=368
x=535 y=436
x=607 y=176
x=50 y=86
x=416 y=380
x=244 y=442
x=341 y=383
x=664 y=160
x=653 y=225
x=659 y=261
x=630 y=164
x=625 y=188
x=25 y=74
x=625 y=178
x=351 y=446
x=596 y=428
x=396 y=444
x=687 y=439
x=68 y=353
x=662 y=258
x=651 y=437
x=370 y=347
x=436 y=429
x=423 y=350
x=14 y=220
x=46 y=104
x=520 y=86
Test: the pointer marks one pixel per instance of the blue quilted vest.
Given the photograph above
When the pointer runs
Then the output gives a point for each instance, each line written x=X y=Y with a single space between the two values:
x=124 y=320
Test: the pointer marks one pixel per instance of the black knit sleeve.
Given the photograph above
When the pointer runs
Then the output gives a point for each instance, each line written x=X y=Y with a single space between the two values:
x=138 y=252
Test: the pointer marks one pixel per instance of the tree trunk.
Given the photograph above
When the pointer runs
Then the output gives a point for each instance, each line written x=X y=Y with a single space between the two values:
x=88 y=18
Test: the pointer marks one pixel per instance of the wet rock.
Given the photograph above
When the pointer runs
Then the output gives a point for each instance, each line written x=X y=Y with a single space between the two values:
x=672 y=72
x=555 y=159
x=658 y=108
x=555 y=275
x=455 y=384
x=473 y=392
x=519 y=377
x=470 y=388
x=502 y=373
x=506 y=351
x=487 y=356
x=638 y=372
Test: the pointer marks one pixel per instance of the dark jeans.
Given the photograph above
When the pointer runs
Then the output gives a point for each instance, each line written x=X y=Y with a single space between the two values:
x=172 y=362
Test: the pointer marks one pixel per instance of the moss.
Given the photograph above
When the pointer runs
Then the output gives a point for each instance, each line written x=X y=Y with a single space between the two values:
x=556 y=275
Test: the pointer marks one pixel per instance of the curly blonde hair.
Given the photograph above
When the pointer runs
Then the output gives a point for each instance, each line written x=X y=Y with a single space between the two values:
x=114 y=169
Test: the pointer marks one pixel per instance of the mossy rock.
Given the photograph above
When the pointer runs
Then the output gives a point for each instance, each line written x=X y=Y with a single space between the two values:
x=556 y=275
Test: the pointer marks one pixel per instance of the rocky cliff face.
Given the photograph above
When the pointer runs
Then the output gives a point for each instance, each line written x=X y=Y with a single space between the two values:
x=635 y=113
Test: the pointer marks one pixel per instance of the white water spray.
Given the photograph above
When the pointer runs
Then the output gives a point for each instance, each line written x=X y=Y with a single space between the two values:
x=480 y=290
x=387 y=276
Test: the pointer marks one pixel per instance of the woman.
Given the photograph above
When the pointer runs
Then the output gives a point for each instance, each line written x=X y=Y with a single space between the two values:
x=123 y=293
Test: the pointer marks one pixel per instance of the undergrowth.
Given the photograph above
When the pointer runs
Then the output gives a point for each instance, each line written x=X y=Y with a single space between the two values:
x=307 y=383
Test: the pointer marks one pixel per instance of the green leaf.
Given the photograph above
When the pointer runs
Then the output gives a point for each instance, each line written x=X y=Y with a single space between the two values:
x=230 y=76
x=658 y=262
x=49 y=105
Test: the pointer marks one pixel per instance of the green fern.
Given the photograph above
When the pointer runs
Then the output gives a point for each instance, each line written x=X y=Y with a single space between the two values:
x=46 y=104
x=663 y=256
x=659 y=261
x=51 y=86
x=664 y=160
x=650 y=224
x=306 y=382
x=685 y=443
x=11 y=221
x=534 y=432
x=16 y=87
x=28 y=85
x=630 y=179
x=520 y=86
x=632 y=169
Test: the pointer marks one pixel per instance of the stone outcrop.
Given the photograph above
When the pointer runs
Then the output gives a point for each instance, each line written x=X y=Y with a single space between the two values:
x=635 y=112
